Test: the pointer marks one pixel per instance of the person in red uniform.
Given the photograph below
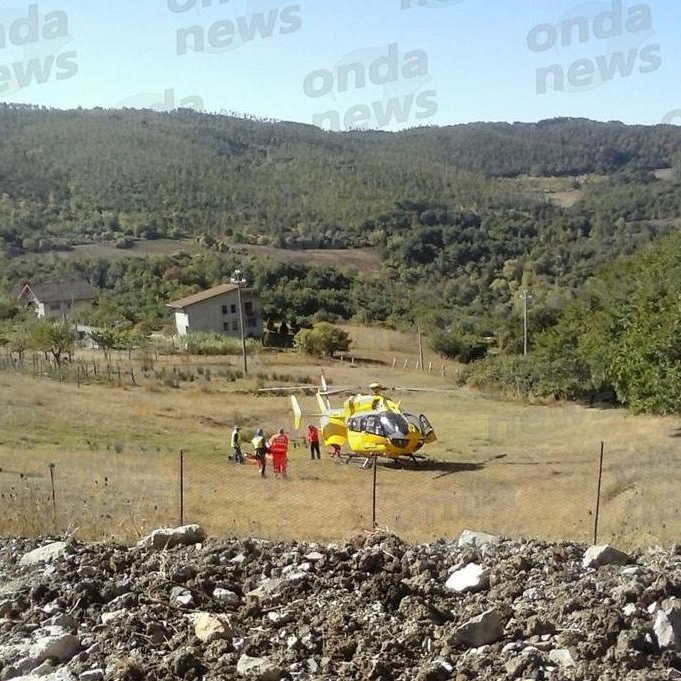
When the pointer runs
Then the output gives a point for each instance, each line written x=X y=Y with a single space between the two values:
x=313 y=439
x=279 y=451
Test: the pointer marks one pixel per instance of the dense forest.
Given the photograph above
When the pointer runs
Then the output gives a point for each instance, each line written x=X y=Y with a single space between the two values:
x=621 y=338
x=455 y=213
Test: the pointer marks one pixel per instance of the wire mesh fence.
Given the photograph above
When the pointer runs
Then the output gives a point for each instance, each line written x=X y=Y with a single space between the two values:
x=125 y=494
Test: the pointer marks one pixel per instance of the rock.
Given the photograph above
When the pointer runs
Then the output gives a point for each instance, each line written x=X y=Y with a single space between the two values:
x=226 y=596
x=65 y=622
x=667 y=627
x=267 y=588
x=562 y=657
x=478 y=631
x=470 y=538
x=314 y=556
x=55 y=644
x=258 y=668
x=181 y=597
x=44 y=554
x=209 y=628
x=168 y=538
x=92 y=675
x=473 y=577
x=108 y=617
x=596 y=556
x=59 y=675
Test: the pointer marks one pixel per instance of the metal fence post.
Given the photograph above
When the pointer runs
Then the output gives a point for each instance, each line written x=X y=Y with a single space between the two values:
x=598 y=496
x=181 y=487
x=54 y=496
x=373 y=504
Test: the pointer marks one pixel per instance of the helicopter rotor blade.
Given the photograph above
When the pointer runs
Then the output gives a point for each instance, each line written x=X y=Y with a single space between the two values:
x=421 y=390
x=282 y=388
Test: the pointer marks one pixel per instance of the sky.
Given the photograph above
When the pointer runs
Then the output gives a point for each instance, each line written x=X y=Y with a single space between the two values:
x=343 y=64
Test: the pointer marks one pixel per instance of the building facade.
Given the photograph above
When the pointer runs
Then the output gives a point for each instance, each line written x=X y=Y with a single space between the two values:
x=58 y=299
x=217 y=311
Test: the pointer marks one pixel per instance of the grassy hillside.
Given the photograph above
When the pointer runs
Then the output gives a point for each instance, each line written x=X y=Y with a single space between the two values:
x=456 y=221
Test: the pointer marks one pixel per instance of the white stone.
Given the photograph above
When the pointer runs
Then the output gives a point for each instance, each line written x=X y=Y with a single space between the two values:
x=258 y=668
x=479 y=631
x=667 y=628
x=226 y=596
x=209 y=628
x=470 y=538
x=59 y=675
x=562 y=657
x=604 y=554
x=44 y=554
x=278 y=618
x=473 y=577
x=629 y=609
x=169 y=537
x=267 y=588
x=108 y=617
x=182 y=597
x=92 y=675
x=314 y=556
x=55 y=643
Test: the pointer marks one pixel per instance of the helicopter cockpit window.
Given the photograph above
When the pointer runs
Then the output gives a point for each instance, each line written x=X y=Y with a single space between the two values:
x=373 y=425
x=425 y=425
x=394 y=425
x=354 y=425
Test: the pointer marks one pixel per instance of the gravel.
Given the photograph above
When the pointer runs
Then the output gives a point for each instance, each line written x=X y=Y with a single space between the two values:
x=371 y=608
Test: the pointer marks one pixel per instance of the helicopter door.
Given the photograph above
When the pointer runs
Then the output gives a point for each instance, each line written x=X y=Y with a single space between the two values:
x=427 y=429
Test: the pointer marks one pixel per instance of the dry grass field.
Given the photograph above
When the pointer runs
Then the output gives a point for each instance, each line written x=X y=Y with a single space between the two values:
x=365 y=260
x=498 y=466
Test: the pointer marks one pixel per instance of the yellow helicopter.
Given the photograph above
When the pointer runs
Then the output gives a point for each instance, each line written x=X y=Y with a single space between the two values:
x=369 y=424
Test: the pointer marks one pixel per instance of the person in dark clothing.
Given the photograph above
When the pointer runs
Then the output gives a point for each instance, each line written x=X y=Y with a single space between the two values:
x=260 y=448
x=313 y=439
x=237 y=454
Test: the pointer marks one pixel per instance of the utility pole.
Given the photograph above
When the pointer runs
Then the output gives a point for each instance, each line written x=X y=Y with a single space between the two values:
x=525 y=295
x=240 y=281
x=418 y=325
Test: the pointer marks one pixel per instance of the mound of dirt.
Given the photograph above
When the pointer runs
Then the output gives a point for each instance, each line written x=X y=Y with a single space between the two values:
x=481 y=607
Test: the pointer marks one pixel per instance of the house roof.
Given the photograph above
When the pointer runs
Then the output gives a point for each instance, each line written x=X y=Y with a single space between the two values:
x=65 y=289
x=205 y=295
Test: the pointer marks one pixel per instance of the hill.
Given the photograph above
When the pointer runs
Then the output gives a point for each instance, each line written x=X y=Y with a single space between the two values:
x=83 y=175
x=456 y=221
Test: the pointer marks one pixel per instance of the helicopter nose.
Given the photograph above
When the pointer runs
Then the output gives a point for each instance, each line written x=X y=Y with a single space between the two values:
x=399 y=442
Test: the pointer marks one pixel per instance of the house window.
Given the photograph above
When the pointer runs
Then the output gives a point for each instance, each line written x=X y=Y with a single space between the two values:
x=55 y=307
x=225 y=326
x=233 y=309
x=235 y=326
x=224 y=309
x=252 y=323
x=248 y=307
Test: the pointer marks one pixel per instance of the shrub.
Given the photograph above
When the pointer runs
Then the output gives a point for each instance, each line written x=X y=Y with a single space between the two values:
x=214 y=344
x=322 y=340
x=463 y=348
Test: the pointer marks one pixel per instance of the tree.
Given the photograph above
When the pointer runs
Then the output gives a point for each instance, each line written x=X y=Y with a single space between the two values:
x=17 y=339
x=106 y=338
x=322 y=340
x=53 y=338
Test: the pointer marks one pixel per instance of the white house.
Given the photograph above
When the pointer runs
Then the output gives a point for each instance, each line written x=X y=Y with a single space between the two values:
x=58 y=299
x=217 y=310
